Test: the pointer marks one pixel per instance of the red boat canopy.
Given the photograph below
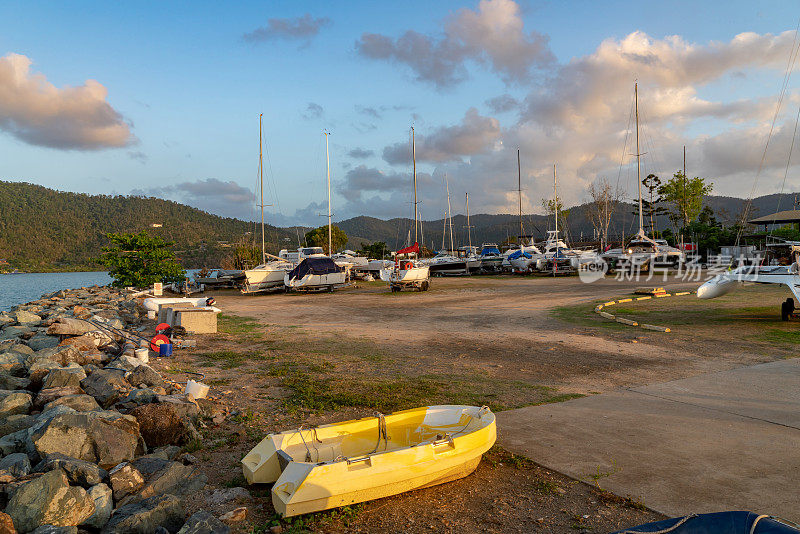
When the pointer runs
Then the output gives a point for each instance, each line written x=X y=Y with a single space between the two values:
x=409 y=250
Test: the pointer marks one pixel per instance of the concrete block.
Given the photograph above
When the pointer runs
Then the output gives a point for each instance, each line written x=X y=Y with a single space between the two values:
x=197 y=321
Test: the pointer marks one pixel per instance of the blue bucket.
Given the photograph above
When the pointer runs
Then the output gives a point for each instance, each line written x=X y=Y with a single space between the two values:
x=165 y=349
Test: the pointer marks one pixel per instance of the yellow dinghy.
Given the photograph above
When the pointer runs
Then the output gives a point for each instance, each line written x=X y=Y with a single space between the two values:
x=355 y=461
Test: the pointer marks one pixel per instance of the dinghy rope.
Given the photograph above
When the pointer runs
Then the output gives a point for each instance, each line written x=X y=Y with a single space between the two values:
x=611 y=317
x=666 y=530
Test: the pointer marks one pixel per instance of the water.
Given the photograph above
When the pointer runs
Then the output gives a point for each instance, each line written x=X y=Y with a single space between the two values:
x=20 y=288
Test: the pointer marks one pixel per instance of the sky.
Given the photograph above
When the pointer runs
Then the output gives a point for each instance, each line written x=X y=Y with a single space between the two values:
x=163 y=99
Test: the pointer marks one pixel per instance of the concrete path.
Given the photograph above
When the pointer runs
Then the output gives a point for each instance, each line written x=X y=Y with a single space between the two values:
x=721 y=441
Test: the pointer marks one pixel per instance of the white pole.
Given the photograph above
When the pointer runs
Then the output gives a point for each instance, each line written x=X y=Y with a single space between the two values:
x=638 y=166
x=555 y=194
x=328 y=171
x=449 y=213
x=261 y=174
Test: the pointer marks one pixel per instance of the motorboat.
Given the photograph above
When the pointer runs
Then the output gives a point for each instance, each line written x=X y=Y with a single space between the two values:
x=219 y=278
x=340 y=464
x=642 y=253
x=735 y=522
x=300 y=254
x=446 y=264
x=491 y=258
x=265 y=277
x=407 y=273
x=315 y=273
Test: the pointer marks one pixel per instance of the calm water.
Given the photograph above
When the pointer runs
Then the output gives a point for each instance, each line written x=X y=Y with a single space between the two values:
x=18 y=288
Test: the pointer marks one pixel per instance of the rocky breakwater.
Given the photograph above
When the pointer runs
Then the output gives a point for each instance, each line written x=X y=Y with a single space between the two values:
x=89 y=435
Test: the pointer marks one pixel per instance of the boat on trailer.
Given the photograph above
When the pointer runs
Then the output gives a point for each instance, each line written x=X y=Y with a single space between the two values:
x=316 y=273
x=345 y=463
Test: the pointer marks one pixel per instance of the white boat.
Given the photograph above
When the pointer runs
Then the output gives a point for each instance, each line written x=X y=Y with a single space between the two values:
x=490 y=257
x=315 y=273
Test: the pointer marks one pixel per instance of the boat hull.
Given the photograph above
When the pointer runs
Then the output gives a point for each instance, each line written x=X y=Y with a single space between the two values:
x=424 y=447
x=315 y=281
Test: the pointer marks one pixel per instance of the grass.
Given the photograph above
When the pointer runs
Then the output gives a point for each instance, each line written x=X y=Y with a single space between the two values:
x=775 y=335
x=230 y=359
x=233 y=324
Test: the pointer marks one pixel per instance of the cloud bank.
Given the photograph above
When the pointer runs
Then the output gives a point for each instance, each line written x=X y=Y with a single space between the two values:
x=302 y=28
x=69 y=118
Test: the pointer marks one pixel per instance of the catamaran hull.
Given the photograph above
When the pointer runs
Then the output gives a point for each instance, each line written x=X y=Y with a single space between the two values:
x=423 y=447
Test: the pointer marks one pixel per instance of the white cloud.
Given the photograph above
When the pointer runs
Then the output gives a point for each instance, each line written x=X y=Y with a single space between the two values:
x=492 y=36
x=302 y=28
x=70 y=118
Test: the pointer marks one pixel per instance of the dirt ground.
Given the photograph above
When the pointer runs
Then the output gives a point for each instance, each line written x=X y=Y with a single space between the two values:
x=282 y=360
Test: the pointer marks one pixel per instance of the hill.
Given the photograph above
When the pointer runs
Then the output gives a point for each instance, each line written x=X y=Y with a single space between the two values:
x=45 y=230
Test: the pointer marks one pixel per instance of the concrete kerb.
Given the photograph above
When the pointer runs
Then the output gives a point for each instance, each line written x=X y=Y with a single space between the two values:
x=611 y=317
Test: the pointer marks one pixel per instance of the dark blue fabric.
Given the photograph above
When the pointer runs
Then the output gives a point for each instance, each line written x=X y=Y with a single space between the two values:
x=489 y=250
x=717 y=523
x=314 y=266
x=517 y=254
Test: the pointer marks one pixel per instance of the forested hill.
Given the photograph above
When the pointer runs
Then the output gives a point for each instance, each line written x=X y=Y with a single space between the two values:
x=45 y=230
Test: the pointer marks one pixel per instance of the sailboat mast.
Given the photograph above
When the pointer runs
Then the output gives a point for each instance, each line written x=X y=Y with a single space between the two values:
x=449 y=213
x=261 y=187
x=519 y=190
x=328 y=172
x=469 y=228
x=638 y=165
x=414 y=167
x=555 y=201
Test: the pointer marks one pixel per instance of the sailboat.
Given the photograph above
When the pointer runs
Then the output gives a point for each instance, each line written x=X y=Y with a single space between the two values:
x=410 y=272
x=445 y=263
x=268 y=276
x=642 y=251
x=520 y=259
x=318 y=271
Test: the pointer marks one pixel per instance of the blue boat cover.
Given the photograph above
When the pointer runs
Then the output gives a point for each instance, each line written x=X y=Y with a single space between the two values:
x=314 y=266
x=517 y=254
x=489 y=250
x=716 y=523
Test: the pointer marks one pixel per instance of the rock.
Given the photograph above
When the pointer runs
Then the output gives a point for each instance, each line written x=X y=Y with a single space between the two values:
x=125 y=480
x=6 y=524
x=14 y=442
x=15 y=404
x=39 y=369
x=49 y=500
x=79 y=472
x=221 y=496
x=46 y=396
x=144 y=374
x=202 y=522
x=138 y=397
x=51 y=529
x=160 y=424
x=106 y=386
x=144 y=517
x=66 y=326
x=187 y=459
x=103 y=506
x=12 y=382
x=64 y=377
x=26 y=318
x=105 y=438
x=63 y=354
x=14 y=466
x=5 y=319
x=168 y=452
x=13 y=363
x=81 y=313
x=14 y=332
x=13 y=423
x=174 y=479
x=186 y=407
x=79 y=403
x=41 y=341
x=275 y=529
x=86 y=346
x=235 y=516
x=22 y=349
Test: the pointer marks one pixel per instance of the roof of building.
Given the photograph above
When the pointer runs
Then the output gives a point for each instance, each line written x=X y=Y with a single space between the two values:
x=785 y=216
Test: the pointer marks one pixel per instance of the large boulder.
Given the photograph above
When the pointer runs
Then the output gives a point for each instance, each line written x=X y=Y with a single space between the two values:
x=41 y=341
x=105 y=438
x=6 y=524
x=202 y=522
x=39 y=369
x=14 y=423
x=174 y=479
x=79 y=403
x=65 y=377
x=17 y=403
x=103 y=506
x=26 y=318
x=79 y=472
x=14 y=466
x=15 y=332
x=14 y=442
x=145 y=375
x=63 y=355
x=13 y=363
x=86 y=345
x=52 y=529
x=107 y=386
x=13 y=382
x=145 y=516
x=46 y=396
x=67 y=326
x=49 y=500
x=160 y=424
x=125 y=480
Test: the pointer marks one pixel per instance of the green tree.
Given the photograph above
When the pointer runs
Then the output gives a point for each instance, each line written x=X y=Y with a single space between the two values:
x=377 y=249
x=651 y=201
x=685 y=196
x=552 y=206
x=318 y=237
x=139 y=260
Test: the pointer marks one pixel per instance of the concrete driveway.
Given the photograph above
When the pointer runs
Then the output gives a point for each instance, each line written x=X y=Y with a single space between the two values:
x=728 y=440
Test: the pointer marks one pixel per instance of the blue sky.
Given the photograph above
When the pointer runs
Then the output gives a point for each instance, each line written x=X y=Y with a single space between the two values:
x=187 y=88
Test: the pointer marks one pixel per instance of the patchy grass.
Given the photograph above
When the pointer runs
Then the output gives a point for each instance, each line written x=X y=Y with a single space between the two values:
x=233 y=324
x=775 y=335
x=230 y=359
